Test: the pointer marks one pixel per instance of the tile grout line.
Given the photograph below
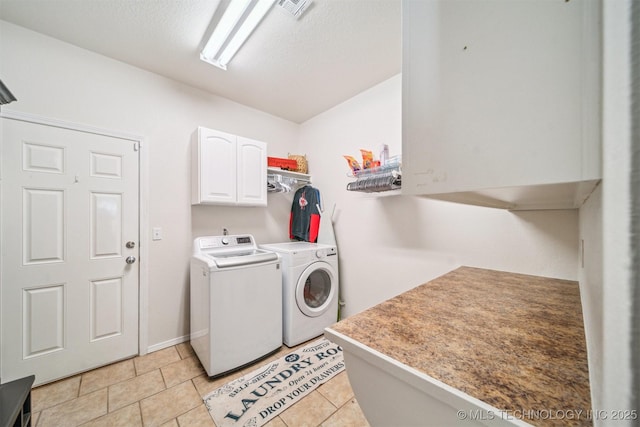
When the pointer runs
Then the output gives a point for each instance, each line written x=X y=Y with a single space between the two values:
x=141 y=414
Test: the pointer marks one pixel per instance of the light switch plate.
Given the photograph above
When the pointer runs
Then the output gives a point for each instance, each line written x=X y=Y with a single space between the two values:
x=157 y=233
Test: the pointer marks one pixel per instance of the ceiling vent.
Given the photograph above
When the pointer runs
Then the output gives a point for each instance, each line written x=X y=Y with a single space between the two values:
x=294 y=7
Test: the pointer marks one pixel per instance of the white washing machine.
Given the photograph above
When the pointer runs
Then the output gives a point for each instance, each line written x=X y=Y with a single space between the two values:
x=236 y=302
x=309 y=289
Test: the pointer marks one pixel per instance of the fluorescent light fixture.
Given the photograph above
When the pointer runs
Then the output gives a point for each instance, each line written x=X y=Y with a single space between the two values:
x=235 y=26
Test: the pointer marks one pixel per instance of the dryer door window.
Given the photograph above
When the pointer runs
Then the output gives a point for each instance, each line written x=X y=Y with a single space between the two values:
x=316 y=288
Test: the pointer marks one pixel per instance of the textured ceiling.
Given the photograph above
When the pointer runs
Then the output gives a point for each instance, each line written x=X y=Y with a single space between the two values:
x=294 y=69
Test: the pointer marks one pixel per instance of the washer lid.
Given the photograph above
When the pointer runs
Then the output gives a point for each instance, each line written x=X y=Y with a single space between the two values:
x=235 y=259
x=232 y=251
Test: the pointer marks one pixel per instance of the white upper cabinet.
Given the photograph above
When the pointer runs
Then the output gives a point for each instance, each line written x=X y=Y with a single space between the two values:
x=228 y=169
x=501 y=101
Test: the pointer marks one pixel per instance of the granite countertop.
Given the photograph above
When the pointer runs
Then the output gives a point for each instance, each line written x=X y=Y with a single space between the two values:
x=511 y=340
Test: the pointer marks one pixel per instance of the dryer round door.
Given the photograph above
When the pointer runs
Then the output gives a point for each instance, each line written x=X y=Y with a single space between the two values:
x=316 y=288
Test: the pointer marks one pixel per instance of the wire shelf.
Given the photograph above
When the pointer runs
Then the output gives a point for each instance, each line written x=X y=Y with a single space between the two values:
x=382 y=178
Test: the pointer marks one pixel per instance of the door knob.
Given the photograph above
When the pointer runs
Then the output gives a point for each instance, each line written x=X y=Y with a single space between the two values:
x=130 y=259
x=130 y=245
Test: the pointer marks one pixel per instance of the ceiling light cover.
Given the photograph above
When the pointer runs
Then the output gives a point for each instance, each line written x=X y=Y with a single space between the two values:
x=238 y=22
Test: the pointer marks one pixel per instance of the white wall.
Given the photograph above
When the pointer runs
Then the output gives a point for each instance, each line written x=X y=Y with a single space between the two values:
x=391 y=243
x=606 y=280
x=591 y=289
x=617 y=387
x=57 y=80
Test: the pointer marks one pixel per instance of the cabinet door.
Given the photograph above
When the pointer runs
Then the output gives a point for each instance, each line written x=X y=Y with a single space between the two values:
x=499 y=93
x=252 y=172
x=217 y=160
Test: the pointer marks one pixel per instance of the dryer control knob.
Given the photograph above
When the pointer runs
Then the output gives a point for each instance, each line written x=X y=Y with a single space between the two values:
x=225 y=240
x=320 y=253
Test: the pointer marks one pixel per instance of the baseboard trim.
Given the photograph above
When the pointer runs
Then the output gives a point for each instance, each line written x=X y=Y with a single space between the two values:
x=166 y=344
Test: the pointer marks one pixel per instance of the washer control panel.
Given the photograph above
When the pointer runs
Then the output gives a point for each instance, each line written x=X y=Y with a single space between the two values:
x=212 y=242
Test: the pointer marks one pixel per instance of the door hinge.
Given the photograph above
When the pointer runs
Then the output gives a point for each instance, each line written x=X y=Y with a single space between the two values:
x=136 y=146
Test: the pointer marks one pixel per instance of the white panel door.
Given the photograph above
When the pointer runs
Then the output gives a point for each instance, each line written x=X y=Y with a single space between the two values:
x=69 y=298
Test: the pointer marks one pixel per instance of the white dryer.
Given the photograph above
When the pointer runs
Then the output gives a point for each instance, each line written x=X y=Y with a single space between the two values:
x=309 y=289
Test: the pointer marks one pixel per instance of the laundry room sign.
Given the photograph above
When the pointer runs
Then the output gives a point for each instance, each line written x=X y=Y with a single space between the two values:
x=261 y=395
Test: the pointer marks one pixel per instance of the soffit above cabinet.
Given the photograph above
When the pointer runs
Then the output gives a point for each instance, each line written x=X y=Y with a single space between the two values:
x=568 y=195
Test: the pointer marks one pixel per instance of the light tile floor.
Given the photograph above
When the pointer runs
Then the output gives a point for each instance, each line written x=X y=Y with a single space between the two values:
x=165 y=388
